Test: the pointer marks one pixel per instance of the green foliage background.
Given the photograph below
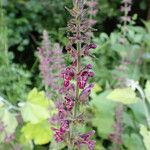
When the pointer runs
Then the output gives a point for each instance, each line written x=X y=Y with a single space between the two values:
x=21 y=25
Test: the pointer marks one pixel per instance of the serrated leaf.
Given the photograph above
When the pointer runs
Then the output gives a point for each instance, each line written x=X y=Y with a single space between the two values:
x=147 y=90
x=38 y=98
x=146 y=136
x=124 y=95
x=40 y=133
x=34 y=113
x=36 y=107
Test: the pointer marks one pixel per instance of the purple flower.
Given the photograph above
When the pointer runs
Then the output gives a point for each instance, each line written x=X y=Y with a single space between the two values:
x=115 y=137
x=67 y=75
x=92 y=11
x=87 y=136
x=51 y=64
x=85 y=139
x=71 y=50
x=85 y=93
x=62 y=113
x=89 y=66
x=58 y=135
x=86 y=49
x=126 y=8
x=75 y=77
x=123 y=8
x=92 y=3
x=69 y=104
x=83 y=77
x=64 y=126
x=93 y=46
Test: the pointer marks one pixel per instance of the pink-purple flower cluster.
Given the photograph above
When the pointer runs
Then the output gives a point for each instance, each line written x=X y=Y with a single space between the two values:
x=116 y=136
x=92 y=4
x=92 y=11
x=76 y=89
x=85 y=139
x=51 y=63
x=126 y=8
x=82 y=77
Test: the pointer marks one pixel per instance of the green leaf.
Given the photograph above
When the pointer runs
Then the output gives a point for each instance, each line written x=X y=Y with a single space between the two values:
x=139 y=114
x=1 y=104
x=103 y=114
x=97 y=88
x=34 y=113
x=128 y=121
x=10 y=123
x=124 y=95
x=147 y=90
x=146 y=136
x=40 y=133
x=38 y=98
x=9 y=120
x=113 y=38
x=36 y=107
x=138 y=38
x=99 y=146
x=133 y=142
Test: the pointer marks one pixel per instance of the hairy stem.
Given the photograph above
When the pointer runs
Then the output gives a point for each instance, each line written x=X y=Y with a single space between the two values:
x=78 y=67
x=76 y=107
x=77 y=71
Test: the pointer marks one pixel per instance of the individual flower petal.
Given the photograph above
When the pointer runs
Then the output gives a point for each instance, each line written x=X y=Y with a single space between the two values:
x=125 y=9
x=67 y=74
x=58 y=135
x=92 y=4
x=85 y=139
x=85 y=93
x=64 y=126
x=87 y=136
x=69 y=104
x=93 y=12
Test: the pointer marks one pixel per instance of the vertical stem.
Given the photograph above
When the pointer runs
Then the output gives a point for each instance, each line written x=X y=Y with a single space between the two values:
x=76 y=107
x=115 y=146
x=125 y=22
x=77 y=71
